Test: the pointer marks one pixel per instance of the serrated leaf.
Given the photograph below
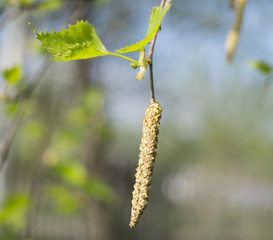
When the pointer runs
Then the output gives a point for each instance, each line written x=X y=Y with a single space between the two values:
x=79 y=41
x=13 y=75
x=261 y=66
x=155 y=22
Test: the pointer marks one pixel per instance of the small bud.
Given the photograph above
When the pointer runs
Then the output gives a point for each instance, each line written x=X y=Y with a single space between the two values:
x=140 y=75
x=143 y=65
x=148 y=149
x=134 y=65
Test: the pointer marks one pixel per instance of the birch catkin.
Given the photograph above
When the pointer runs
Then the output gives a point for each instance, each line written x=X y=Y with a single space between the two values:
x=148 y=149
x=233 y=34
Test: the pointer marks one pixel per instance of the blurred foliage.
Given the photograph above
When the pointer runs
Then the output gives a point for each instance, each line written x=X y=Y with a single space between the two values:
x=72 y=173
x=18 y=2
x=261 y=66
x=49 y=6
x=10 y=108
x=63 y=202
x=13 y=75
x=69 y=187
x=70 y=170
x=102 y=2
x=62 y=159
x=12 y=214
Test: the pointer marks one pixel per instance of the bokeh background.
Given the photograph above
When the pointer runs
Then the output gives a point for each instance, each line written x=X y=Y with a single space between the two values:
x=69 y=169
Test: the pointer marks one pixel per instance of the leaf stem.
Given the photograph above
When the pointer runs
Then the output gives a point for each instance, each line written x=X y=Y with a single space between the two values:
x=122 y=56
x=149 y=60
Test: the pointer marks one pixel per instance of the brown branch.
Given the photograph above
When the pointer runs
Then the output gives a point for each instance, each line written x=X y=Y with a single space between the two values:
x=149 y=60
x=152 y=91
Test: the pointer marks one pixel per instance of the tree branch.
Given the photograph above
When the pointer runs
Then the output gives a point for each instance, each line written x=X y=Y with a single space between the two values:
x=149 y=60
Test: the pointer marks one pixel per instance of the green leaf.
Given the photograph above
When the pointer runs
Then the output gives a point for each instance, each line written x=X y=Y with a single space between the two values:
x=79 y=41
x=11 y=108
x=26 y=2
x=13 y=210
x=73 y=173
x=261 y=66
x=50 y=6
x=34 y=129
x=100 y=191
x=155 y=22
x=64 y=200
x=13 y=75
x=23 y=3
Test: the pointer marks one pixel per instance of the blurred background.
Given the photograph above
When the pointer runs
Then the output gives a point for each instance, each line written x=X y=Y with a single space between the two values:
x=68 y=172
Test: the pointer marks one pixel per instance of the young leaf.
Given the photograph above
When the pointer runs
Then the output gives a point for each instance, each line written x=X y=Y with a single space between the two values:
x=155 y=22
x=79 y=41
x=73 y=173
x=13 y=75
x=261 y=66
x=143 y=65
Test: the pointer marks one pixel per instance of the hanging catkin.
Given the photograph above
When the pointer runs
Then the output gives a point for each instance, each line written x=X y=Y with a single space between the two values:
x=148 y=149
x=233 y=34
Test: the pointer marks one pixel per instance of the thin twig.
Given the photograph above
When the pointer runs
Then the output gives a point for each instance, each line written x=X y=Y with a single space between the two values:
x=149 y=57
x=12 y=129
x=9 y=136
x=34 y=187
x=17 y=12
x=36 y=80
x=149 y=60
x=152 y=91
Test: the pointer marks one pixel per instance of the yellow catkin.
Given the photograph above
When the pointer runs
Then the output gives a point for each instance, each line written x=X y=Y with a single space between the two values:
x=147 y=155
x=233 y=34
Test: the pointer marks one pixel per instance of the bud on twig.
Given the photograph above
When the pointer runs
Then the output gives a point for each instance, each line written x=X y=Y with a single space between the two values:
x=148 y=149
